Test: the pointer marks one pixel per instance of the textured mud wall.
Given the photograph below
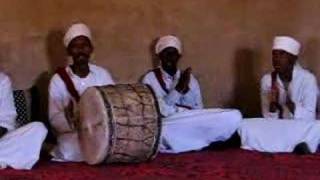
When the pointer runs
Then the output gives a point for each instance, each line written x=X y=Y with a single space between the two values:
x=226 y=42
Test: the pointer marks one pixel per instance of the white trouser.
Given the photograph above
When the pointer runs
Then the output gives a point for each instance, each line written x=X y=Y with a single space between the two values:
x=275 y=135
x=20 y=148
x=196 y=129
x=67 y=148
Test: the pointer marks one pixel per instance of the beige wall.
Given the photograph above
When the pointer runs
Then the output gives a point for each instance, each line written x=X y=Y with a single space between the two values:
x=226 y=42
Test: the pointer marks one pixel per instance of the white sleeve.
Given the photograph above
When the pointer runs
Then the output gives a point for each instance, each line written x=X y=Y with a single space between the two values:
x=8 y=112
x=306 y=109
x=193 y=98
x=197 y=97
x=165 y=108
x=265 y=88
x=56 y=107
x=172 y=97
x=107 y=78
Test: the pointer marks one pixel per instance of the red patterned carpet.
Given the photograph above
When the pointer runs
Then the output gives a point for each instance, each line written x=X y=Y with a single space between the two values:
x=227 y=164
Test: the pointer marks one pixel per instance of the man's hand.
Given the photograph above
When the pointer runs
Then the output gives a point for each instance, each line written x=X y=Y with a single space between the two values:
x=183 y=84
x=71 y=114
x=3 y=131
x=274 y=99
x=273 y=107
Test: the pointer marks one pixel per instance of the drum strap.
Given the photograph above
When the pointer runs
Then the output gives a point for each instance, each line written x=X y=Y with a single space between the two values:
x=69 y=84
x=158 y=75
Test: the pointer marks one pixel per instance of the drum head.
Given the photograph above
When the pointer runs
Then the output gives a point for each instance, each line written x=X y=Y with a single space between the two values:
x=93 y=126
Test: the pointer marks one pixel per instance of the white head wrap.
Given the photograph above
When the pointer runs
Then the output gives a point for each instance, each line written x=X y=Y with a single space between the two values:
x=168 y=41
x=287 y=44
x=75 y=30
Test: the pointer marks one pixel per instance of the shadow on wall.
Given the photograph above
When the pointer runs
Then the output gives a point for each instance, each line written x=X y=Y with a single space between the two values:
x=311 y=51
x=154 y=57
x=55 y=50
x=246 y=89
x=155 y=61
x=56 y=56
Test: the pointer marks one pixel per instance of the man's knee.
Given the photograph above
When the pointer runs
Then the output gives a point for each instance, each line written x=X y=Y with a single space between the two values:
x=37 y=126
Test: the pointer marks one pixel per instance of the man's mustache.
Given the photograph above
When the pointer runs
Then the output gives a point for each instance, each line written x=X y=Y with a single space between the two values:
x=82 y=56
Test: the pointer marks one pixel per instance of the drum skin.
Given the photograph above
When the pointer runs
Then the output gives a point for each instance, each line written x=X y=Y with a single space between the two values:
x=119 y=124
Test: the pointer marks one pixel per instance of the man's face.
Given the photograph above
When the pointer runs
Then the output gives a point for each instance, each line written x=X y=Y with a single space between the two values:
x=169 y=59
x=282 y=61
x=80 y=49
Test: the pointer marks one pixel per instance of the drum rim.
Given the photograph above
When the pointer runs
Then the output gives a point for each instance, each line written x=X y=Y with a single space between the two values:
x=96 y=88
x=111 y=123
x=159 y=123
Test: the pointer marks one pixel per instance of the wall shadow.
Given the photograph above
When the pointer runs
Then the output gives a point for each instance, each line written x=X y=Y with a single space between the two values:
x=155 y=61
x=246 y=96
x=40 y=95
x=310 y=54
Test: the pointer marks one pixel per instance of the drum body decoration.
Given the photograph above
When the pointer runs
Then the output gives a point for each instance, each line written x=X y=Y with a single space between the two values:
x=119 y=124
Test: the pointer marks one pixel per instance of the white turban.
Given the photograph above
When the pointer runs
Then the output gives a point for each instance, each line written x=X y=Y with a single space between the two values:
x=287 y=44
x=168 y=41
x=78 y=29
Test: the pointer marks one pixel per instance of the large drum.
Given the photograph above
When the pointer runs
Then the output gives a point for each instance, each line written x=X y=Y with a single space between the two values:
x=119 y=123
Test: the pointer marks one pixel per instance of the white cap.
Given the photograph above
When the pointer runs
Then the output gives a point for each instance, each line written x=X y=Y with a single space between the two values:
x=168 y=41
x=287 y=44
x=75 y=30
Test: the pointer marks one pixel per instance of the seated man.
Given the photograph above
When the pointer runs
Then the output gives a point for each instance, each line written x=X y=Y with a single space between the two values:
x=19 y=148
x=65 y=89
x=186 y=125
x=289 y=92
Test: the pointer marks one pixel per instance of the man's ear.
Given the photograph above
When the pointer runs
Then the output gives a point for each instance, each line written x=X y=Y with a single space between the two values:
x=92 y=47
x=293 y=59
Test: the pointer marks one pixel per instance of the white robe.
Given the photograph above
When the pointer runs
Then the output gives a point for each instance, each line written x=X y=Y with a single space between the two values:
x=68 y=148
x=19 y=148
x=167 y=102
x=273 y=135
x=303 y=91
x=186 y=130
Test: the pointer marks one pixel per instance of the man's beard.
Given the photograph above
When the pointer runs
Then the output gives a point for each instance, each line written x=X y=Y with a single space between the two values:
x=286 y=74
x=81 y=59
